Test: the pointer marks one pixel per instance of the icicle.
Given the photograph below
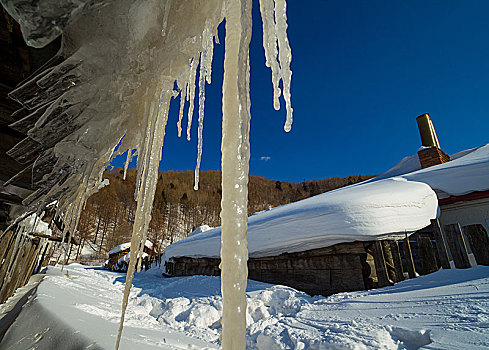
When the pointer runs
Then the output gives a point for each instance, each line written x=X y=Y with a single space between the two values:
x=151 y=120
x=270 y=46
x=235 y=165
x=204 y=75
x=274 y=17
x=191 y=95
x=285 y=56
x=165 y=19
x=183 y=95
x=128 y=160
x=151 y=159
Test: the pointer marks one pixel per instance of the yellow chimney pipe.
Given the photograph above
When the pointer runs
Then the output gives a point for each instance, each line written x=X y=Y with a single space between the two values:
x=427 y=131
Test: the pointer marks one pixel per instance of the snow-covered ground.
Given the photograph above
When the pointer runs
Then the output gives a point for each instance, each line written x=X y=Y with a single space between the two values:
x=445 y=310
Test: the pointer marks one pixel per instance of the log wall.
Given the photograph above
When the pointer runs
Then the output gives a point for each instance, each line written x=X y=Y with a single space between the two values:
x=325 y=271
x=359 y=265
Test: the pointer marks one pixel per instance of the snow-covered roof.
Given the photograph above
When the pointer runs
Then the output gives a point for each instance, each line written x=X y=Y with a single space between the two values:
x=361 y=212
x=467 y=172
x=200 y=229
x=400 y=200
x=127 y=245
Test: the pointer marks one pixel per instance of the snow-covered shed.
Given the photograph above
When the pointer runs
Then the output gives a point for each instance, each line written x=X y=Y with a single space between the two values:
x=119 y=256
x=322 y=244
x=330 y=243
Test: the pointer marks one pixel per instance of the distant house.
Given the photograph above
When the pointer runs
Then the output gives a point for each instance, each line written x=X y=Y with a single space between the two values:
x=119 y=256
x=427 y=212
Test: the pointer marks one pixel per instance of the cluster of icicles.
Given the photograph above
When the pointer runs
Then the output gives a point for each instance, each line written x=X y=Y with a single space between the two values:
x=144 y=135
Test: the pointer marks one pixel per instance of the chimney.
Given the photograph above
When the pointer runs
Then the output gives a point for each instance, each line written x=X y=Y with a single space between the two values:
x=430 y=153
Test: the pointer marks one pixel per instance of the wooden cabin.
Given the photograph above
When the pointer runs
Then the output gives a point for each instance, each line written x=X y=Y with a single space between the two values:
x=458 y=238
x=119 y=257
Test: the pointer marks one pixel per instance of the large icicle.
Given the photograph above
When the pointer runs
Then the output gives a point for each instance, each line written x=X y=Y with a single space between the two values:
x=204 y=75
x=149 y=177
x=191 y=95
x=235 y=165
x=278 y=54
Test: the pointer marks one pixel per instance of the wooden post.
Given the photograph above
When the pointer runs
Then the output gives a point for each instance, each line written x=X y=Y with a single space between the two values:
x=479 y=243
x=382 y=276
x=11 y=254
x=428 y=259
x=409 y=258
x=457 y=246
x=43 y=256
x=32 y=261
x=396 y=256
x=389 y=261
x=441 y=244
x=4 y=244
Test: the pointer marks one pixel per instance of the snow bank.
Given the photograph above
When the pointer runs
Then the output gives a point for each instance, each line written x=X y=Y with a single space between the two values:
x=444 y=310
x=363 y=212
x=127 y=245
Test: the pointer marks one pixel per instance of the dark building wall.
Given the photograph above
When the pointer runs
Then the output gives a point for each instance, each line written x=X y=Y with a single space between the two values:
x=340 y=268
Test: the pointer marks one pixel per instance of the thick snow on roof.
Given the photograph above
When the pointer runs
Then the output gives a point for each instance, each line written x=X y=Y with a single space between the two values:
x=362 y=212
x=127 y=245
x=200 y=229
x=467 y=172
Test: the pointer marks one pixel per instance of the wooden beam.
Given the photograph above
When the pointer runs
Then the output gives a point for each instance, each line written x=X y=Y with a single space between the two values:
x=457 y=246
x=380 y=266
x=479 y=242
x=389 y=261
x=441 y=244
x=396 y=256
x=52 y=238
x=409 y=258
x=428 y=259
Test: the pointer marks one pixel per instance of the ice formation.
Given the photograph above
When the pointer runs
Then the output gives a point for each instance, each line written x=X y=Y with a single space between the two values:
x=114 y=78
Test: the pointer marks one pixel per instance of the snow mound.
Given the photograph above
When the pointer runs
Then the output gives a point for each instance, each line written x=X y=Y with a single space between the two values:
x=362 y=212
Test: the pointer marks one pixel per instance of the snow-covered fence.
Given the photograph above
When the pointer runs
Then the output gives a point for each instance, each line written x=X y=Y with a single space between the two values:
x=19 y=256
x=23 y=253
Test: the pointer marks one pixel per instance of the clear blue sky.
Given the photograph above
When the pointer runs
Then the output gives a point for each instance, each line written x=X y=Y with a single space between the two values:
x=362 y=72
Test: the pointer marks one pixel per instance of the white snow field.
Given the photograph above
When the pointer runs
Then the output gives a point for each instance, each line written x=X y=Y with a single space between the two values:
x=445 y=310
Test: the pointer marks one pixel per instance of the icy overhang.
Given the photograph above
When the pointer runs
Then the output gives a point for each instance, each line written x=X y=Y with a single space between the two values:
x=362 y=212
